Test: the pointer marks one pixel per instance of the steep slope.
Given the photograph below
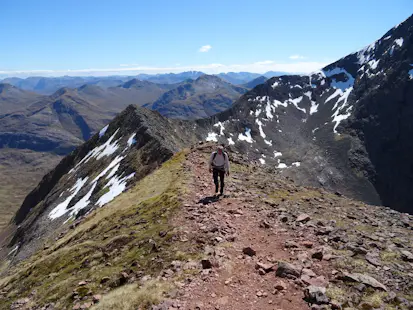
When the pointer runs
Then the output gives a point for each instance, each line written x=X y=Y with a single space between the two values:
x=345 y=127
x=165 y=244
x=135 y=143
x=205 y=96
x=14 y=99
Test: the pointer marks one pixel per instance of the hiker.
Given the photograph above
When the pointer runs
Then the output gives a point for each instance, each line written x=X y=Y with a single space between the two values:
x=219 y=166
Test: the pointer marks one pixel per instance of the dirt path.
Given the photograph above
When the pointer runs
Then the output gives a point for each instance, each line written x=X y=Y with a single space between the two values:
x=227 y=226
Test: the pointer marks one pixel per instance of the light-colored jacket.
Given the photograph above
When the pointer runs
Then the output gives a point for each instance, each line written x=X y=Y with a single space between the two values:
x=220 y=161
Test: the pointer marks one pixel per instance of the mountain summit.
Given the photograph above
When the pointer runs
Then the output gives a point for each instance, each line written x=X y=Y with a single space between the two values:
x=203 y=97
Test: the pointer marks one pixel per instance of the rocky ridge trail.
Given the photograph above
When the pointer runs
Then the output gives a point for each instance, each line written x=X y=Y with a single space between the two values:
x=271 y=245
x=268 y=244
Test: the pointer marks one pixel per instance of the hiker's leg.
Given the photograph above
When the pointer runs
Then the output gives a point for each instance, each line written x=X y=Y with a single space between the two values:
x=222 y=177
x=215 y=175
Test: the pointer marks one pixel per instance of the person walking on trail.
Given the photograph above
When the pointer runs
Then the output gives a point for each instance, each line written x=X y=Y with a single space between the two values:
x=219 y=166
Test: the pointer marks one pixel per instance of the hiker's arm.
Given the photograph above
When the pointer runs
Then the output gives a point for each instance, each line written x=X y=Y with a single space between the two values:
x=227 y=164
x=210 y=162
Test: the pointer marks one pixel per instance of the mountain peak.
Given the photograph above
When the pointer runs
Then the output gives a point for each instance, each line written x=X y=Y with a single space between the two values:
x=4 y=87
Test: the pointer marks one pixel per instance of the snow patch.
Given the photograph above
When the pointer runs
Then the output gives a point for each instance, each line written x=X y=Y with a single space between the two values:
x=296 y=101
x=106 y=149
x=277 y=154
x=268 y=110
x=61 y=208
x=268 y=142
x=116 y=187
x=338 y=92
x=373 y=64
x=14 y=250
x=313 y=108
x=113 y=164
x=297 y=164
x=82 y=203
x=399 y=41
x=230 y=141
x=103 y=131
x=262 y=133
x=262 y=161
x=221 y=126
x=282 y=166
x=279 y=103
x=246 y=137
x=132 y=140
x=212 y=136
x=275 y=84
x=337 y=117
x=340 y=84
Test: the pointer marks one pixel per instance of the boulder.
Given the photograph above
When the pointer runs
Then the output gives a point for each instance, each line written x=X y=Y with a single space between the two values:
x=249 y=251
x=365 y=279
x=287 y=270
x=316 y=295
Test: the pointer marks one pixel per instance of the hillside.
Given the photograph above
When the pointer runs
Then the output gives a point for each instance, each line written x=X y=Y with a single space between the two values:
x=14 y=99
x=165 y=242
x=345 y=128
x=200 y=98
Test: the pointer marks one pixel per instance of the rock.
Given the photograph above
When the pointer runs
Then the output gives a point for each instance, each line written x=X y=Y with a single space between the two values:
x=407 y=256
x=307 y=244
x=373 y=259
x=86 y=305
x=366 y=306
x=283 y=218
x=316 y=295
x=365 y=279
x=82 y=283
x=308 y=272
x=265 y=267
x=303 y=218
x=206 y=264
x=249 y=251
x=96 y=298
x=280 y=286
x=360 y=287
x=291 y=244
x=287 y=270
x=265 y=224
x=76 y=306
x=317 y=254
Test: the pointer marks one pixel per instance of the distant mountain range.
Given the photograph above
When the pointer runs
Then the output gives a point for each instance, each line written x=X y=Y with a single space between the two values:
x=49 y=85
x=203 y=97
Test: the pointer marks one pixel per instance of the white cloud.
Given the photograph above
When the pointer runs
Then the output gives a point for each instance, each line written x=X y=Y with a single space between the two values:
x=265 y=62
x=205 y=48
x=258 y=67
x=128 y=65
x=296 y=57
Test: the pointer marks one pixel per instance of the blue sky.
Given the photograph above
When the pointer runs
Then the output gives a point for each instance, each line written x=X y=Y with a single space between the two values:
x=91 y=37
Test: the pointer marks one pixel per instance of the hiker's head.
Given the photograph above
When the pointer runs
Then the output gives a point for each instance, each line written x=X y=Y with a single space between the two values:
x=220 y=149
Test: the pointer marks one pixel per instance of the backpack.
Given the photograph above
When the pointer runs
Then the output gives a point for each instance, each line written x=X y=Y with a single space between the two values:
x=215 y=155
